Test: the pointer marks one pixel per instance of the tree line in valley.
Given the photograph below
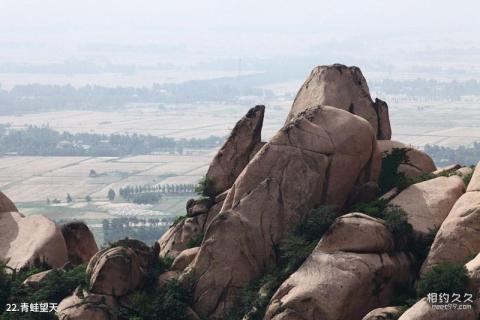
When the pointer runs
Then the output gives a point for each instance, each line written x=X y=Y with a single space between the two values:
x=463 y=155
x=38 y=97
x=147 y=230
x=44 y=141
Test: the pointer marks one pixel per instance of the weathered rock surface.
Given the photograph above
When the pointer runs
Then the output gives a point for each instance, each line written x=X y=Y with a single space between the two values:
x=6 y=205
x=422 y=310
x=237 y=150
x=345 y=88
x=459 y=235
x=386 y=313
x=316 y=159
x=184 y=259
x=473 y=268
x=81 y=245
x=177 y=237
x=371 y=235
x=82 y=305
x=428 y=203
x=337 y=286
x=341 y=279
x=29 y=240
x=35 y=279
x=116 y=271
x=419 y=161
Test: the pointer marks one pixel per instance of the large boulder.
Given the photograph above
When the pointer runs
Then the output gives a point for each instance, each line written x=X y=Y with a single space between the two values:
x=315 y=159
x=337 y=286
x=178 y=236
x=419 y=162
x=184 y=259
x=115 y=271
x=345 y=88
x=81 y=245
x=428 y=203
x=342 y=279
x=6 y=205
x=36 y=279
x=422 y=310
x=83 y=305
x=459 y=235
x=237 y=150
x=371 y=235
x=30 y=240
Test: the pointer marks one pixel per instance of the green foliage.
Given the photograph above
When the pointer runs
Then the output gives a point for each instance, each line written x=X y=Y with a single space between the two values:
x=206 y=187
x=57 y=285
x=374 y=208
x=466 y=178
x=389 y=176
x=292 y=252
x=146 y=198
x=195 y=241
x=447 y=277
x=397 y=221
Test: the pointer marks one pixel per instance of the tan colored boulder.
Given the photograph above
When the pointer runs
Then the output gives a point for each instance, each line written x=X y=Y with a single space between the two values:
x=422 y=310
x=338 y=286
x=316 y=159
x=387 y=313
x=30 y=240
x=6 y=205
x=116 y=271
x=428 y=203
x=34 y=280
x=464 y=171
x=167 y=276
x=177 y=237
x=419 y=161
x=371 y=235
x=345 y=88
x=81 y=245
x=236 y=151
x=82 y=305
x=459 y=235
x=184 y=259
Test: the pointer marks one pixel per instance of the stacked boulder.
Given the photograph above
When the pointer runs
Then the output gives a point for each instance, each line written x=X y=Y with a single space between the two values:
x=344 y=279
x=316 y=159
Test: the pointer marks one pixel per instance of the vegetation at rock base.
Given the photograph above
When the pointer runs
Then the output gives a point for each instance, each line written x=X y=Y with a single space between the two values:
x=196 y=240
x=57 y=285
x=206 y=187
x=292 y=252
x=151 y=302
x=389 y=176
x=446 y=277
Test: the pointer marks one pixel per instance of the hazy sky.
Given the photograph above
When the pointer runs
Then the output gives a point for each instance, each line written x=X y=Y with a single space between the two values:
x=193 y=22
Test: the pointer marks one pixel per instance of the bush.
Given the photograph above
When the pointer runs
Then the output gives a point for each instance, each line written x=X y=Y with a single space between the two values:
x=146 y=198
x=447 y=277
x=397 y=221
x=292 y=251
x=54 y=288
x=206 y=187
x=389 y=176
x=195 y=241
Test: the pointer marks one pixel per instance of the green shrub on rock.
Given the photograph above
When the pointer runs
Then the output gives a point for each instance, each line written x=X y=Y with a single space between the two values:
x=446 y=277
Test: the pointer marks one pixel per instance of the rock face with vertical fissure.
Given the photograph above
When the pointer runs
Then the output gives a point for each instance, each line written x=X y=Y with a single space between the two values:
x=345 y=88
x=316 y=159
